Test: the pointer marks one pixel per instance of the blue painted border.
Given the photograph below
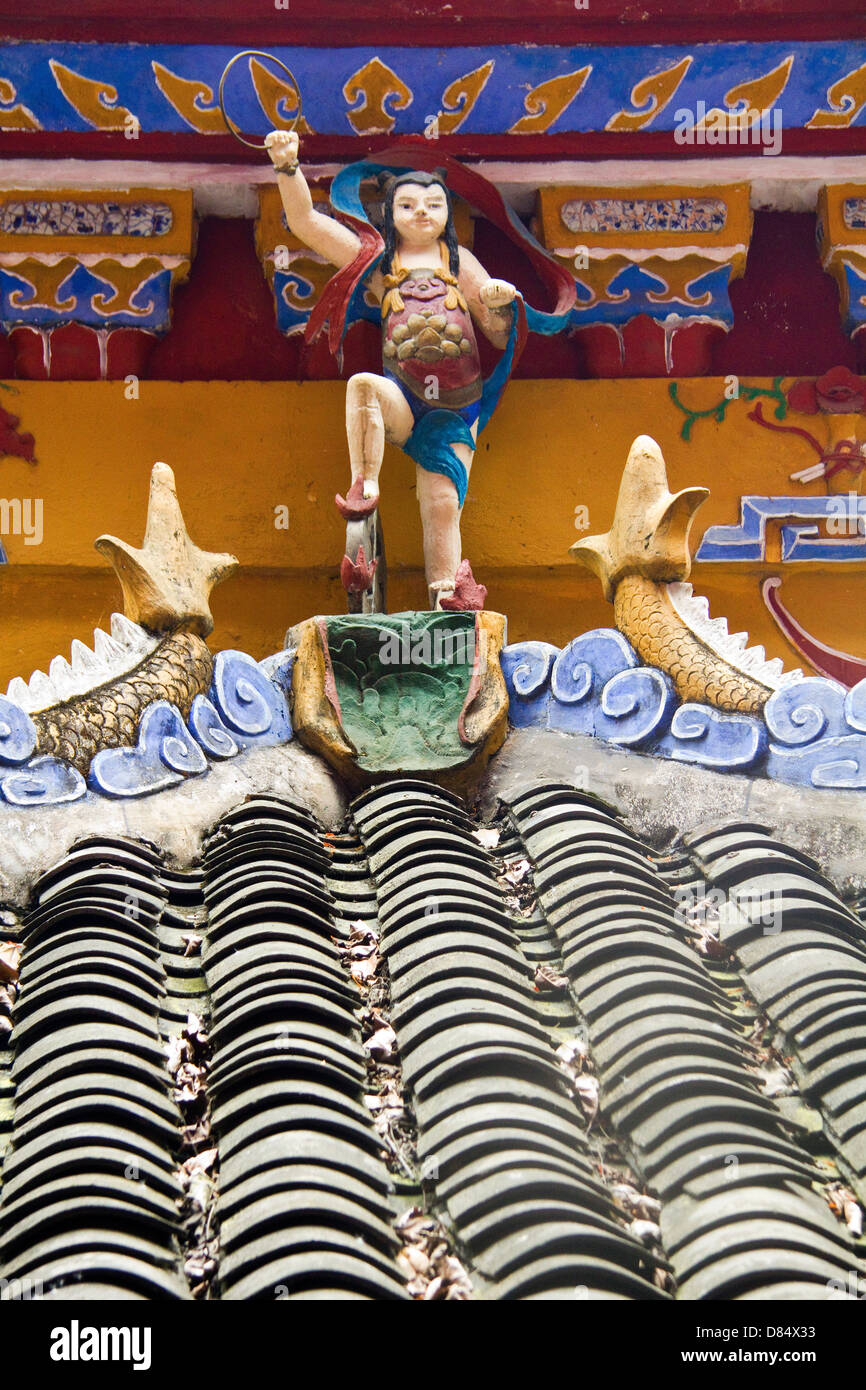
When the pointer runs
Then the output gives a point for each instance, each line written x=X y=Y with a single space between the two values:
x=322 y=74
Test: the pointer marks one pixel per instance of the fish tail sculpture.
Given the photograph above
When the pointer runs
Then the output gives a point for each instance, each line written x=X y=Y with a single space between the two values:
x=156 y=652
x=642 y=562
x=179 y=668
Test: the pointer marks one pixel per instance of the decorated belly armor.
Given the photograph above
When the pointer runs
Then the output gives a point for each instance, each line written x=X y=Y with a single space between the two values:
x=427 y=331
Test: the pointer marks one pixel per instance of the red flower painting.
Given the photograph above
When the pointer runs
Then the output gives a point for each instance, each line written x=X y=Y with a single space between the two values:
x=837 y=392
x=12 y=442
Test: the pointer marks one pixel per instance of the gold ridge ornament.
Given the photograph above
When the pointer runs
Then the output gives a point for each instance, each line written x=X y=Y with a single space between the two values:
x=167 y=583
x=641 y=561
x=166 y=587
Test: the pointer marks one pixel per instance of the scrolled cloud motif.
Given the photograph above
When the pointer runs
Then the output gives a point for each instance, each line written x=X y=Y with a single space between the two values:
x=526 y=667
x=831 y=763
x=855 y=708
x=209 y=730
x=17 y=734
x=579 y=675
x=812 y=733
x=279 y=667
x=165 y=754
x=706 y=736
x=248 y=701
x=815 y=738
x=810 y=709
x=44 y=782
x=847 y=769
x=635 y=705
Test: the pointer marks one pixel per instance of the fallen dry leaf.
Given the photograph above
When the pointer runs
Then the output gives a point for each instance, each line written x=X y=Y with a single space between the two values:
x=842 y=1201
x=774 y=1081
x=515 y=870
x=194 y=1031
x=647 y=1232
x=707 y=943
x=639 y=1205
x=550 y=981
x=416 y=1259
x=199 y=1163
x=573 y=1053
x=586 y=1090
x=364 y=970
x=434 y=1272
x=382 y=1043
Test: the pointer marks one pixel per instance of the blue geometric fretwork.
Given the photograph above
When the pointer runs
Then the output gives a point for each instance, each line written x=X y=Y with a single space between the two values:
x=747 y=541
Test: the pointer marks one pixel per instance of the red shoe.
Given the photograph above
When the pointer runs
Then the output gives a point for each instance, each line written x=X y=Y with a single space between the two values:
x=357 y=575
x=468 y=596
x=355 y=506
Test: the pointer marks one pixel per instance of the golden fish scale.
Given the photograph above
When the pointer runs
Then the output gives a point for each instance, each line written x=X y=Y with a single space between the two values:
x=179 y=669
x=646 y=616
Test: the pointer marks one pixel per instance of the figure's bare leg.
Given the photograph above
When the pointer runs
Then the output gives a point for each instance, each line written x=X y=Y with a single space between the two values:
x=375 y=411
x=440 y=519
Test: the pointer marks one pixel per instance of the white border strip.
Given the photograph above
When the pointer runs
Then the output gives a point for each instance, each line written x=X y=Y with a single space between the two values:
x=784 y=183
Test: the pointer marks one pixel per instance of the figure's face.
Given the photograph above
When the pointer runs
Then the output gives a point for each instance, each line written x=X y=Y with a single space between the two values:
x=420 y=214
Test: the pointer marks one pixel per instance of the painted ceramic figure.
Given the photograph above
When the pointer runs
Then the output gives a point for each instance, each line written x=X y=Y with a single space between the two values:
x=431 y=398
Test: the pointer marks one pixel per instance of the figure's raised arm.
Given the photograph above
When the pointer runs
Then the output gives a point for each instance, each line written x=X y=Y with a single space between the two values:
x=489 y=300
x=315 y=229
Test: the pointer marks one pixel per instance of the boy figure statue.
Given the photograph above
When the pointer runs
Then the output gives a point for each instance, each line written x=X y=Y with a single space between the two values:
x=428 y=399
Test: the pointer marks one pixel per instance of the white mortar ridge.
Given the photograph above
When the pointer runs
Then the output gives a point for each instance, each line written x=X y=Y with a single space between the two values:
x=732 y=647
x=88 y=669
x=662 y=799
x=785 y=183
x=175 y=820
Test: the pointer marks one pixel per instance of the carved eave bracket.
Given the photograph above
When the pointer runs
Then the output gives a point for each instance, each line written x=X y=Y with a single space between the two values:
x=295 y=274
x=100 y=260
x=842 y=244
x=663 y=252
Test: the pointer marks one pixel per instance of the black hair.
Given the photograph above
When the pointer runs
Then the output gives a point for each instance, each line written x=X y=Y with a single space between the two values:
x=426 y=181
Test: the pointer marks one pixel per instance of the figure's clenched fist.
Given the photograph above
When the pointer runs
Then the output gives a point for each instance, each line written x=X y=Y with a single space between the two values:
x=282 y=146
x=495 y=294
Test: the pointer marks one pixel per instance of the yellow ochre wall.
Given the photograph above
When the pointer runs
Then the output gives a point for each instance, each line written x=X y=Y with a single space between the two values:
x=242 y=449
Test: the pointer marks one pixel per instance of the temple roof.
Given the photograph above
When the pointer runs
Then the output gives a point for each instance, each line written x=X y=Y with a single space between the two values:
x=434 y=1053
